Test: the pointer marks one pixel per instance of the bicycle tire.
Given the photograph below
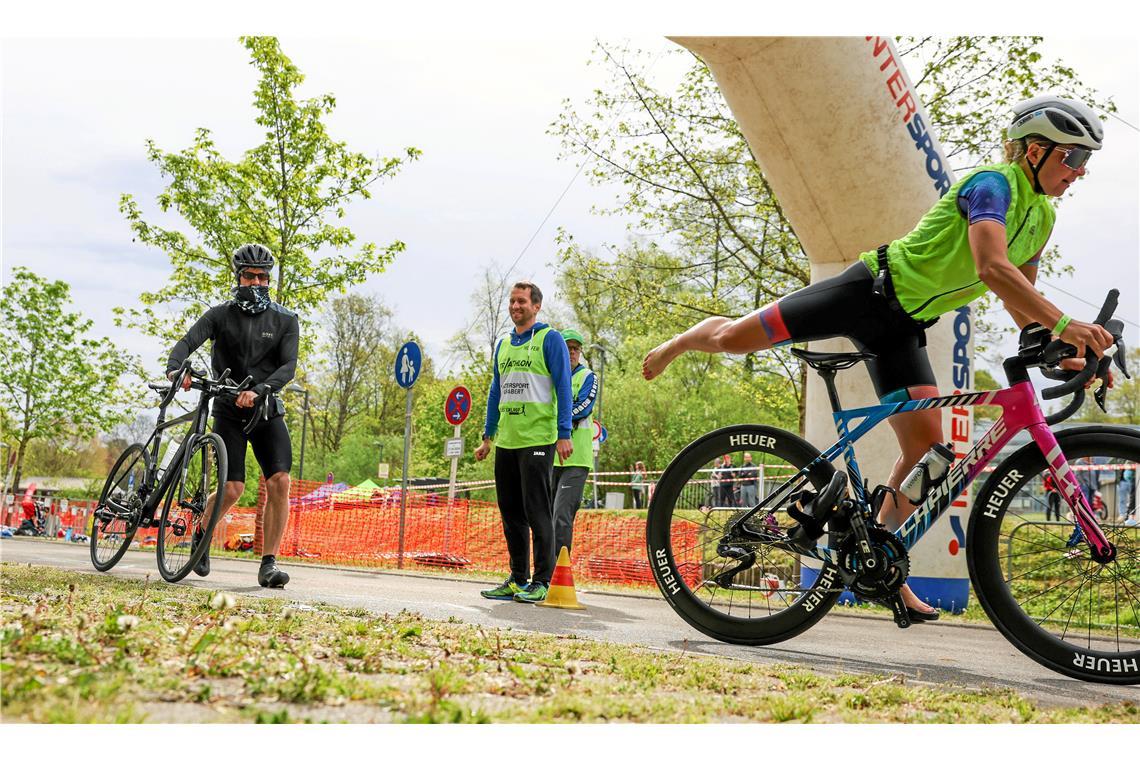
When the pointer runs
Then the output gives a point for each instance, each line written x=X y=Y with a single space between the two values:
x=133 y=455
x=808 y=605
x=1033 y=615
x=176 y=532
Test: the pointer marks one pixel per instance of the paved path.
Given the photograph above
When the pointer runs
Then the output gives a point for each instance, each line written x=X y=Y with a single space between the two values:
x=970 y=656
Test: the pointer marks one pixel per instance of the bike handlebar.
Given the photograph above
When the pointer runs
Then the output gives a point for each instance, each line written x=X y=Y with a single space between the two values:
x=1051 y=353
x=201 y=382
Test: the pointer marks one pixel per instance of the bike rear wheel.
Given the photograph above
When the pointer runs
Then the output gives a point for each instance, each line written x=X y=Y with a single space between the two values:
x=778 y=596
x=1038 y=581
x=200 y=481
x=119 y=508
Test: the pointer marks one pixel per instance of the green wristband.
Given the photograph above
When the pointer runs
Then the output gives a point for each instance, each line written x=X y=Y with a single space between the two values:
x=1062 y=323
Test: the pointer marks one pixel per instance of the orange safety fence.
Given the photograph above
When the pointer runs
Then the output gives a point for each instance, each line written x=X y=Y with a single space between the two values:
x=354 y=527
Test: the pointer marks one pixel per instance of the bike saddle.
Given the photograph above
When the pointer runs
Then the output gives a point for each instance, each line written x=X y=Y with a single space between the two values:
x=832 y=360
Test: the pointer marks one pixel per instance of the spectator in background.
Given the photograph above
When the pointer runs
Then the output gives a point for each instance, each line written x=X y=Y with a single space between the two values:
x=1125 y=496
x=748 y=475
x=637 y=484
x=528 y=419
x=725 y=497
x=570 y=474
x=1052 y=499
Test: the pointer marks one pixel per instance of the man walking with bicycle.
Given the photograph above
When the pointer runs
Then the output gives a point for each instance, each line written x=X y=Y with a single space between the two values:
x=251 y=336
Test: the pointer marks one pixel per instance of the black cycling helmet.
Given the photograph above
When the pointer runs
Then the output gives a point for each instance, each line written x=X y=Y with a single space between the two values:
x=253 y=255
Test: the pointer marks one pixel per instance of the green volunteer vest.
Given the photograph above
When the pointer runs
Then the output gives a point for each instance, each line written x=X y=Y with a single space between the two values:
x=527 y=414
x=932 y=267
x=582 y=437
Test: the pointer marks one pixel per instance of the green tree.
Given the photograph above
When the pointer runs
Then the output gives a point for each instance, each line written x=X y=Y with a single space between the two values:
x=288 y=192
x=56 y=383
x=351 y=376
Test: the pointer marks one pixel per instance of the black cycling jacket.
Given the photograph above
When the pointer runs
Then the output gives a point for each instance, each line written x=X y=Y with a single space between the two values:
x=262 y=345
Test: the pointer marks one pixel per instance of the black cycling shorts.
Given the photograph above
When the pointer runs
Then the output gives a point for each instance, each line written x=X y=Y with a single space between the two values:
x=270 y=441
x=847 y=306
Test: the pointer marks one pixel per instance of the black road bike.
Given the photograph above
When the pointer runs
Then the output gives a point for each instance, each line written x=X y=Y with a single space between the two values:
x=184 y=482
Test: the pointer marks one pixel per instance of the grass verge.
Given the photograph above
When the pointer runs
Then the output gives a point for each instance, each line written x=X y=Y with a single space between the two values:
x=87 y=648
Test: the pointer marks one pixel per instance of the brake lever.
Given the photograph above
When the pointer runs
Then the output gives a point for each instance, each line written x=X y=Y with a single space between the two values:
x=1118 y=359
x=258 y=416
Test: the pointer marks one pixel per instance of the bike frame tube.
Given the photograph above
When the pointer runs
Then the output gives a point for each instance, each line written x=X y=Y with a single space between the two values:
x=1020 y=411
x=198 y=418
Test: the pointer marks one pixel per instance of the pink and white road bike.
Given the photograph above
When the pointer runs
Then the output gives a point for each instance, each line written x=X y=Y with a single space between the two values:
x=1066 y=593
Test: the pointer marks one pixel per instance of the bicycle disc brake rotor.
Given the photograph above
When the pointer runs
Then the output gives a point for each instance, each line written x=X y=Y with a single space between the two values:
x=892 y=565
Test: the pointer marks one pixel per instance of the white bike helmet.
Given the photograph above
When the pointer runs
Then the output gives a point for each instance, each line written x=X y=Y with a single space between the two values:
x=1061 y=121
x=1058 y=119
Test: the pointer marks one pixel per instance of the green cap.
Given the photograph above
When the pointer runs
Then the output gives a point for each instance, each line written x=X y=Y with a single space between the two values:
x=569 y=335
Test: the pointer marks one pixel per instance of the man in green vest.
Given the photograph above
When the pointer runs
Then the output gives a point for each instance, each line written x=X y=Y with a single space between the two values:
x=570 y=474
x=528 y=418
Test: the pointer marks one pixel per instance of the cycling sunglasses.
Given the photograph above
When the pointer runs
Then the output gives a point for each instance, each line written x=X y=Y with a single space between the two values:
x=1074 y=158
x=254 y=277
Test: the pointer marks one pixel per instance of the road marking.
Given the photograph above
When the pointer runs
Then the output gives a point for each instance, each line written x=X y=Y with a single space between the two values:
x=464 y=607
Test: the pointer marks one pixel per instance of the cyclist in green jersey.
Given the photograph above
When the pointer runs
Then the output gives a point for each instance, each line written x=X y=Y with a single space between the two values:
x=986 y=233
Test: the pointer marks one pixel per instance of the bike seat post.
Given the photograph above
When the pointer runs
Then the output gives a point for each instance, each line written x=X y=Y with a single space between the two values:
x=828 y=376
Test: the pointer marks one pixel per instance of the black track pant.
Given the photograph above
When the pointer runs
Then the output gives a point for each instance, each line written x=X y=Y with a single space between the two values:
x=1053 y=507
x=522 y=483
x=567 y=490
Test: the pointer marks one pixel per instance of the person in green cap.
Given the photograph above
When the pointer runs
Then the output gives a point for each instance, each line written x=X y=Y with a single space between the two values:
x=570 y=474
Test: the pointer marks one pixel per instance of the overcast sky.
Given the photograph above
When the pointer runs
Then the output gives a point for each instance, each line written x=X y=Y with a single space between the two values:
x=77 y=112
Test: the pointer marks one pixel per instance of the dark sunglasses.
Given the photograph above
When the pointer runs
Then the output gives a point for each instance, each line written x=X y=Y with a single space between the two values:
x=1074 y=158
x=254 y=277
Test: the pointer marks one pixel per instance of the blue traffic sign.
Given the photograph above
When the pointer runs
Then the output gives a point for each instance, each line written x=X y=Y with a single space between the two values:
x=604 y=435
x=408 y=362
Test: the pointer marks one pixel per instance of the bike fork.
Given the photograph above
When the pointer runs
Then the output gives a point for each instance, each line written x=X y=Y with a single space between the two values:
x=1102 y=549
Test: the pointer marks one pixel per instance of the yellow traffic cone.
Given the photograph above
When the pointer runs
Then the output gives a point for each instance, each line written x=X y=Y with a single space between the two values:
x=561 y=593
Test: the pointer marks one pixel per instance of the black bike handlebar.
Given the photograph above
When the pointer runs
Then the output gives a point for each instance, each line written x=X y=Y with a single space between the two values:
x=200 y=382
x=1073 y=381
x=1058 y=350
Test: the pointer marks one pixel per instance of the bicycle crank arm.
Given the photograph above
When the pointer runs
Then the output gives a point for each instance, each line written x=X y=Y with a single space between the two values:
x=898 y=609
x=863 y=543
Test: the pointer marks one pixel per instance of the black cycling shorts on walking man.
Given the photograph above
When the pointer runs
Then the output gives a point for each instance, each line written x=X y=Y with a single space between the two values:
x=252 y=336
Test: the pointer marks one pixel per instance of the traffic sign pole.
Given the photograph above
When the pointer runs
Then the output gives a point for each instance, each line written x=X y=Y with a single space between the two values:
x=409 y=362
x=454 y=469
x=404 y=486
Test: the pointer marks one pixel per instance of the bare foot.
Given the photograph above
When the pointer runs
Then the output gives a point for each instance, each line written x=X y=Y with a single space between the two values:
x=912 y=601
x=659 y=358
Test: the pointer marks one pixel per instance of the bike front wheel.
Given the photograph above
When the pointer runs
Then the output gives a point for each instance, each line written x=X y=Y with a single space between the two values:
x=191 y=508
x=737 y=592
x=1038 y=580
x=119 y=509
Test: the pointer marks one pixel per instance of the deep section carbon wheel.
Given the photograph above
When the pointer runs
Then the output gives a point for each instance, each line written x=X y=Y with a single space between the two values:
x=1037 y=578
x=741 y=586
